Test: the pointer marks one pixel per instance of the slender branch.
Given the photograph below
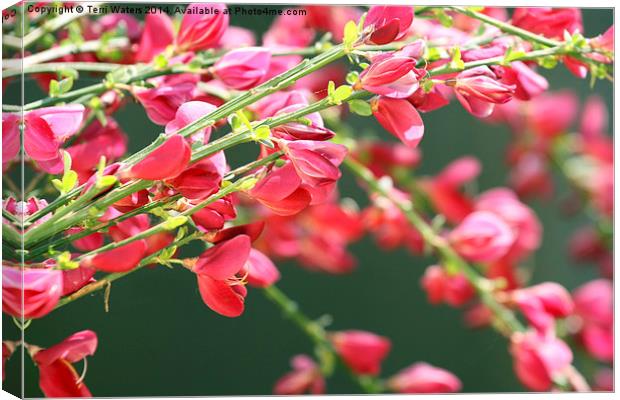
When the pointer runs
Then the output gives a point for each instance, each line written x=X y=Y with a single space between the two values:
x=449 y=256
x=506 y=27
x=316 y=333
x=54 y=67
x=65 y=50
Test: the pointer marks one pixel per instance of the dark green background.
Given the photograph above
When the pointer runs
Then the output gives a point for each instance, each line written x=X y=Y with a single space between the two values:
x=160 y=339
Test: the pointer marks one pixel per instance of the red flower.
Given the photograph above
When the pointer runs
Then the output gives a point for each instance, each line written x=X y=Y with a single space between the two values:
x=188 y=113
x=158 y=34
x=202 y=30
x=362 y=351
x=57 y=376
x=542 y=303
x=482 y=237
x=388 y=23
x=217 y=268
x=400 y=118
x=594 y=306
x=261 y=270
x=280 y=190
x=539 y=358
x=443 y=287
x=161 y=103
x=201 y=179
x=165 y=162
x=316 y=163
x=244 y=68
x=424 y=378
x=39 y=288
x=547 y=21
x=305 y=377
x=478 y=90
x=122 y=259
x=392 y=75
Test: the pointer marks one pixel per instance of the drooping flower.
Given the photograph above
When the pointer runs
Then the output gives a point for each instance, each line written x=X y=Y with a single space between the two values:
x=482 y=237
x=316 y=163
x=547 y=21
x=202 y=30
x=161 y=103
x=121 y=259
x=216 y=270
x=594 y=307
x=188 y=113
x=478 y=90
x=261 y=271
x=400 y=118
x=526 y=81
x=57 y=376
x=542 y=303
x=306 y=377
x=537 y=359
x=165 y=162
x=388 y=23
x=243 y=68
x=280 y=190
x=157 y=35
x=440 y=286
x=45 y=130
x=40 y=288
x=424 y=378
x=362 y=351
x=201 y=179
x=392 y=75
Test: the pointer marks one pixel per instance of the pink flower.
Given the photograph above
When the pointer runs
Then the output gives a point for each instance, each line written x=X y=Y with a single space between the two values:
x=305 y=377
x=362 y=351
x=235 y=37
x=315 y=130
x=331 y=18
x=289 y=30
x=445 y=191
x=400 y=118
x=188 y=113
x=41 y=289
x=261 y=270
x=45 y=129
x=57 y=376
x=424 y=378
x=217 y=269
x=157 y=35
x=482 y=237
x=165 y=162
x=161 y=103
x=388 y=23
x=23 y=209
x=392 y=75
x=202 y=30
x=478 y=90
x=594 y=305
x=537 y=359
x=547 y=21
x=214 y=215
x=202 y=178
x=316 y=163
x=443 y=287
x=605 y=41
x=542 y=303
x=96 y=141
x=521 y=219
x=552 y=113
x=122 y=259
x=243 y=68
x=526 y=81
x=280 y=190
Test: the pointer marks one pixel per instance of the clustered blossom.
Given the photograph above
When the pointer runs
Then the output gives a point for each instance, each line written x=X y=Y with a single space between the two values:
x=287 y=203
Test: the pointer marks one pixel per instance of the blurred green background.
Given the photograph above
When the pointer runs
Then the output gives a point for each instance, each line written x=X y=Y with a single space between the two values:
x=160 y=339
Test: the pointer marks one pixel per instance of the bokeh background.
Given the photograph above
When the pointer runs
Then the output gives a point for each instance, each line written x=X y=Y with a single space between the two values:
x=160 y=339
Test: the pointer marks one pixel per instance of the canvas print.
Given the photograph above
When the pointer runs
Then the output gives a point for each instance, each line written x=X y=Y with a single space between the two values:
x=209 y=199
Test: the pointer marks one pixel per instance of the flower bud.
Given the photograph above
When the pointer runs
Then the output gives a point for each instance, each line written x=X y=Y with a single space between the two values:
x=481 y=237
x=244 y=68
x=424 y=378
x=362 y=351
x=478 y=90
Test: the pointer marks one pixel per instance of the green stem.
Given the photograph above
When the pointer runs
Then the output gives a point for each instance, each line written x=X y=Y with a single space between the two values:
x=506 y=27
x=315 y=332
x=480 y=283
x=54 y=67
x=108 y=279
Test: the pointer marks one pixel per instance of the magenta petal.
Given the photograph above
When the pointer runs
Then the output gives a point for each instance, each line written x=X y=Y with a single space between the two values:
x=400 y=118
x=64 y=121
x=72 y=349
x=261 y=270
x=225 y=259
x=166 y=161
x=188 y=113
x=158 y=33
x=220 y=296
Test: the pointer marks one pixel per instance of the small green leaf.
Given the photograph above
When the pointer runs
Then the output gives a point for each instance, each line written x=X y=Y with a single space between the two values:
x=69 y=180
x=267 y=143
x=548 y=62
x=105 y=181
x=343 y=92
x=350 y=36
x=57 y=184
x=160 y=61
x=64 y=261
x=174 y=222
x=360 y=107
x=512 y=55
x=54 y=88
x=457 y=62
x=331 y=87
x=248 y=184
x=244 y=119
x=443 y=18
x=235 y=122
x=262 y=132
x=352 y=77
